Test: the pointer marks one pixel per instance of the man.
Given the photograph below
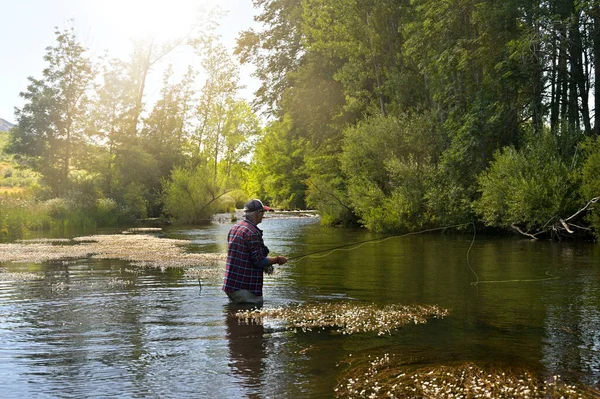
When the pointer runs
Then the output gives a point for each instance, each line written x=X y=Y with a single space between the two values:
x=247 y=258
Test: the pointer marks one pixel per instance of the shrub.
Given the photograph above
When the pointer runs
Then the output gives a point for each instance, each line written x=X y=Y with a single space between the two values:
x=134 y=198
x=188 y=196
x=19 y=213
x=388 y=162
x=590 y=183
x=109 y=213
x=528 y=187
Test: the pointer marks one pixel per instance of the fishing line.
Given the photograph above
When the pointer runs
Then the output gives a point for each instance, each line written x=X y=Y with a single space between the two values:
x=551 y=277
x=358 y=244
x=477 y=281
x=355 y=245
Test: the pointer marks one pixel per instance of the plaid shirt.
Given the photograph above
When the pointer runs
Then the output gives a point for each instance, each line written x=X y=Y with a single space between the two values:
x=246 y=252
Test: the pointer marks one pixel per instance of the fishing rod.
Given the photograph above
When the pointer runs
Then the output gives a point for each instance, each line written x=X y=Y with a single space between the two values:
x=358 y=244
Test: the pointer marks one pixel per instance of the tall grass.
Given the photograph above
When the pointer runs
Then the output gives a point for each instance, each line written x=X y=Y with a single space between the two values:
x=20 y=214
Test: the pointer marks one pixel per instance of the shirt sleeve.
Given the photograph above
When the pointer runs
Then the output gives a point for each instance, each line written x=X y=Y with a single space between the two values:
x=263 y=263
x=257 y=251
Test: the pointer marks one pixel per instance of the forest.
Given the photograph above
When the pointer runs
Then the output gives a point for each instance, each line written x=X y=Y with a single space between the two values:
x=395 y=115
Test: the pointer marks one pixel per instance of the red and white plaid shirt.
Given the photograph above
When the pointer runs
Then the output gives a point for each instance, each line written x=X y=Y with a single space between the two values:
x=246 y=254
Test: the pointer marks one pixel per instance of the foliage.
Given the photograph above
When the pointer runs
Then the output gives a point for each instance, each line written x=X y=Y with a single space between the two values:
x=327 y=189
x=397 y=113
x=50 y=125
x=86 y=130
x=190 y=195
x=388 y=162
x=590 y=183
x=21 y=213
x=528 y=187
x=276 y=173
x=282 y=21
x=367 y=37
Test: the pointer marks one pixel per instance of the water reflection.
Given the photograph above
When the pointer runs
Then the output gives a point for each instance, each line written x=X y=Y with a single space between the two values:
x=247 y=351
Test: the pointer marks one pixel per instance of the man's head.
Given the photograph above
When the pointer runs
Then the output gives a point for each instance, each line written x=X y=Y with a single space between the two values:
x=254 y=210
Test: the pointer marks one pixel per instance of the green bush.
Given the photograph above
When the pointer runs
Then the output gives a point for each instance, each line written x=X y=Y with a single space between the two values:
x=528 y=187
x=388 y=162
x=188 y=196
x=83 y=194
x=231 y=201
x=327 y=190
x=590 y=180
x=134 y=198
x=58 y=208
x=109 y=213
x=19 y=214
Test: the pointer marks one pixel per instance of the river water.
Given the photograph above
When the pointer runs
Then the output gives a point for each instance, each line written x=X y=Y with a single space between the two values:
x=73 y=334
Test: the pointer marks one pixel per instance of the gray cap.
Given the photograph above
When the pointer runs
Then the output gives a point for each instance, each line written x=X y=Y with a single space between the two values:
x=255 y=205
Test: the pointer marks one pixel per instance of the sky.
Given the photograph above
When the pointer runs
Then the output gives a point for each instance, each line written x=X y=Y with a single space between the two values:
x=105 y=26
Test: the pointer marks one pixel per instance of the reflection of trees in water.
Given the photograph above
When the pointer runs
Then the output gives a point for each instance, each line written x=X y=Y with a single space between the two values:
x=247 y=350
x=572 y=324
x=573 y=343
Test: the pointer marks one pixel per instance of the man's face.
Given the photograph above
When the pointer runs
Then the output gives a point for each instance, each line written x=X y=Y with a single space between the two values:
x=259 y=216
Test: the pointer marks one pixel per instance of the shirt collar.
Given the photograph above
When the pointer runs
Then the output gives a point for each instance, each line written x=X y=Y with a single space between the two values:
x=253 y=224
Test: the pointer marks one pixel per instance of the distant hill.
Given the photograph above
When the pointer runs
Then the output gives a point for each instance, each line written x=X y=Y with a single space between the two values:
x=5 y=125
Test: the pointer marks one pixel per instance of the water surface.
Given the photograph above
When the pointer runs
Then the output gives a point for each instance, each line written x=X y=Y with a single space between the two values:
x=101 y=328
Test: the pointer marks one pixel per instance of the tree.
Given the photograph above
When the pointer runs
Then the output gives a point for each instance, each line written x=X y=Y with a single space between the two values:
x=276 y=51
x=277 y=172
x=366 y=37
x=50 y=126
x=112 y=114
x=240 y=132
x=217 y=94
x=190 y=195
x=163 y=134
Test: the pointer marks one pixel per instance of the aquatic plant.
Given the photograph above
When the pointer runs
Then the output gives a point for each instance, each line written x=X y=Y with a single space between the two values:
x=134 y=230
x=345 y=317
x=205 y=272
x=140 y=249
x=388 y=377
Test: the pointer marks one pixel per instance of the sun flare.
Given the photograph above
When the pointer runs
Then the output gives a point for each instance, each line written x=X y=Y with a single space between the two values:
x=156 y=19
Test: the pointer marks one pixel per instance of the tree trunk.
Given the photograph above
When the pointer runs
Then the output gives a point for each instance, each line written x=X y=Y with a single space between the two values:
x=538 y=108
x=579 y=77
x=596 y=38
x=555 y=87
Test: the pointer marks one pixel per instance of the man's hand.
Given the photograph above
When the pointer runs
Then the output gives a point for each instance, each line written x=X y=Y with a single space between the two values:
x=281 y=260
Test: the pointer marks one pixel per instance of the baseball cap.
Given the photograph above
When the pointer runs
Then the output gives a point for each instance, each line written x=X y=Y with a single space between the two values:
x=255 y=205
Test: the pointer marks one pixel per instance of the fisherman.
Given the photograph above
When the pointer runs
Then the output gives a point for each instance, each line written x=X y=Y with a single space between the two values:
x=247 y=257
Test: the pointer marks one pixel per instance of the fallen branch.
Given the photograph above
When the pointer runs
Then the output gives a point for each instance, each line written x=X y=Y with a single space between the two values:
x=566 y=226
x=560 y=224
x=590 y=202
x=522 y=232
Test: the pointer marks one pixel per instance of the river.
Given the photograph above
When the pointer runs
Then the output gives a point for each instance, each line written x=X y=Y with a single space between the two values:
x=74 y=334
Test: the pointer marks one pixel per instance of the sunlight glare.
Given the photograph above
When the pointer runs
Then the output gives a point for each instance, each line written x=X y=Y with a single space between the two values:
x=161 y=20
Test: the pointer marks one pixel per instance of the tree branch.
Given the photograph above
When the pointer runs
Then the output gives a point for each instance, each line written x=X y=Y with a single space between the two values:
x=523 y=233
x=590 y=202
x=333 y=195
x=213 y=200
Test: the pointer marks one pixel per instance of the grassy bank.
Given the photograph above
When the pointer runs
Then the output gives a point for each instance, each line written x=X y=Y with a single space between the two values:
x=20 y=214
